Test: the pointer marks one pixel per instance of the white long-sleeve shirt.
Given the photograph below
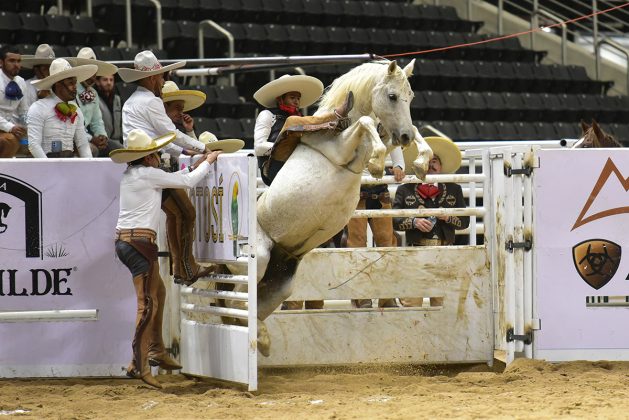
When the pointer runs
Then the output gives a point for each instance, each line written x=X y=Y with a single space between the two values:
x=261 y=132
x=44 y=127
x=146 y=111
x=141 y=193
x=11 y=111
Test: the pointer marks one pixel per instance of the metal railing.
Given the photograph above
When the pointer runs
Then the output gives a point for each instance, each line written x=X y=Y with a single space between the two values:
x=556 y=19
x=616 y=46
x=230 y=42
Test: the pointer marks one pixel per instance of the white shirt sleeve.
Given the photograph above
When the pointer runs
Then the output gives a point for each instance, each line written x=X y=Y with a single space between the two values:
x=181 y=179
x=162 y=124
x=261 y=132
x=397 y=157
x=80 y=137
x=35 y=123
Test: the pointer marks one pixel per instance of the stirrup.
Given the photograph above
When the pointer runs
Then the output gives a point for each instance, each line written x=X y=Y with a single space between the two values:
x=342 y=124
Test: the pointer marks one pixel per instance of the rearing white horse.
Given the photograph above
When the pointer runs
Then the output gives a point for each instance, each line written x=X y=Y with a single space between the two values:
x=317 y=190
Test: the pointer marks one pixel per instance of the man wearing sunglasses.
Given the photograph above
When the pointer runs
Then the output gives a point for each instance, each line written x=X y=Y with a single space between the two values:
x=13 y=107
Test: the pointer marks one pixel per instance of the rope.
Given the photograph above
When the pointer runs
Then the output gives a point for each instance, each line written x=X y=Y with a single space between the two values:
x=515 y=35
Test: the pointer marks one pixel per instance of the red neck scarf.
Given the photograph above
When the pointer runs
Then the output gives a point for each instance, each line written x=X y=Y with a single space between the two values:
x=292 y=110
x=427 y=191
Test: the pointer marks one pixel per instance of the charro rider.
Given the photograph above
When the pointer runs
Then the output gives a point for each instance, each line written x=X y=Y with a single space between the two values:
x=432 y=231
x=140 y=201
x=145 y=110
x=279 y=127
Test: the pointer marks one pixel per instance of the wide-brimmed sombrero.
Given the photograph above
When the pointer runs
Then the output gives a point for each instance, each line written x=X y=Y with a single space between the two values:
x=43 y=55
x=145 y=64
x=86 y=55
x=191 y=98
x=140 y=144
x=226 y=145
x=60 y=69
x=310 y=88
x=447 y=151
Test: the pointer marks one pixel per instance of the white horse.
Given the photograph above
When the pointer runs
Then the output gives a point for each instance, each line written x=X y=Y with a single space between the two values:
x=317 y=190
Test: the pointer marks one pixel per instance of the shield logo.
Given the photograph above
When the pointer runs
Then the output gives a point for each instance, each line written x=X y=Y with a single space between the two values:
x=596 y=261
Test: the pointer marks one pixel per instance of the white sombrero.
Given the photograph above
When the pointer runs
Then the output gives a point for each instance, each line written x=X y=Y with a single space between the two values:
x=447 y=151
x=140 y=144
x=191 y=98
x=310 y=88
x=145 y=65
x=43 y=55
x=86 y=55
x=227 y=145
x=60 y=69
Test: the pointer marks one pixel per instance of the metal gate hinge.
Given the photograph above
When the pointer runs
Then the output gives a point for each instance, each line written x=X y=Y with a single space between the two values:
x=510 y=245
x=527 y=170
x=526 y=338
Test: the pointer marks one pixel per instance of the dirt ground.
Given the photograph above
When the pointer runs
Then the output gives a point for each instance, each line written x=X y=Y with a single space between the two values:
x=525 y=389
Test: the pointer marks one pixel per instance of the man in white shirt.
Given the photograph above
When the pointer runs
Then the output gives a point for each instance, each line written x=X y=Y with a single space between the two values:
x=40 y=63
x=140 y=202
x=56 y=125
x=13 y=107
x=145 y=110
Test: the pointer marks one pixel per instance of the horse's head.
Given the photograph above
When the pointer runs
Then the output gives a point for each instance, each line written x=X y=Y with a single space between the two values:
x=391 y=103
x=593 y=136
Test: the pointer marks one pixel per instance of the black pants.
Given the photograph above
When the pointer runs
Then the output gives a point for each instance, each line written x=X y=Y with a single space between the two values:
x=274 y=167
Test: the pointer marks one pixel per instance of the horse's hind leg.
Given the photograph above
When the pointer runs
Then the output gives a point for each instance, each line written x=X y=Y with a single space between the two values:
x=276 y=285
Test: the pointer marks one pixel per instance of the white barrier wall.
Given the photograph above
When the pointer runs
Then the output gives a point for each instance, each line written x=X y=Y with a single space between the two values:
x=67 y=305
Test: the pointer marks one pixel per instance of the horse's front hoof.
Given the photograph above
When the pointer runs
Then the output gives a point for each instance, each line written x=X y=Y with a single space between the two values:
x=264 y=339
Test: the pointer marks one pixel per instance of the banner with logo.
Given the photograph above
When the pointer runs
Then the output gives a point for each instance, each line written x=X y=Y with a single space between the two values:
x=57 y=222
x=221 y=201
x=581 y=244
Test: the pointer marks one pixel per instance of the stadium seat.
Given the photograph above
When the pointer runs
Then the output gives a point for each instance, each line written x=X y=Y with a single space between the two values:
x=205 y=124
x=32 y=30
x=107 y=53
x=248 y=126
x=9 y=27
x=188 y=10
x=330 y=12
x=229 y=128
x=84 y=31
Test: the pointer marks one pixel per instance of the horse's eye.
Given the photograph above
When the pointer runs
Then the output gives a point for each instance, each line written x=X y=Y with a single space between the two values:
x=393 y=97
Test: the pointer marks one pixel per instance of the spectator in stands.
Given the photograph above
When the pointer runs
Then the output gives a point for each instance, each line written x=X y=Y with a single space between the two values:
x=177 y=102
x=13 y=106
x=55 y=125
x=110 y=105
x=283 y=120
x=376 y=197
x=40 y=63
x=145 y=110
x=88 y=102
x=432 y=231
x=140 y=199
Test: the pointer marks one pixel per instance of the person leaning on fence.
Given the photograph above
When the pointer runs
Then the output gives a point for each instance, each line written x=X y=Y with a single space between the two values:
x=140 y=202
x=13 y=106
x=279 y=126
x=40 y=63
x=55 y=125
x=87 y=100
x=145 y=110
x=432 y=231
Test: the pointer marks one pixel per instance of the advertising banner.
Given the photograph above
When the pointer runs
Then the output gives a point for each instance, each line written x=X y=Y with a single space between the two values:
x=580 y=238
x=221 y=201
x=57 y=223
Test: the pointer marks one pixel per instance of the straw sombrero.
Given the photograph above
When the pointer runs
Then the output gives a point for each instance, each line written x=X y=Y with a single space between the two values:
x=448 y=152
x=60 y=69
x=310 y=88
x=86 y=55
x=191 y=98
x=43 y=55
x=140 y=144
x=227 y=145
x=145 y=65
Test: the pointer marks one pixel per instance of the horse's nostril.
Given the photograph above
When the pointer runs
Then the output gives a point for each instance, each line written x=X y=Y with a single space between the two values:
x=405 y=139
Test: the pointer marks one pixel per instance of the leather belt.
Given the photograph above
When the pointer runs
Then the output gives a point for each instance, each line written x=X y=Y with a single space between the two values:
x=128 y=235
x=385 y=197
x=62 y=154
x=428 y=242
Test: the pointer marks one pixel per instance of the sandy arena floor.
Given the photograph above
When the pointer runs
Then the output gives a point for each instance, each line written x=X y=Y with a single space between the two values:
x=526 y=389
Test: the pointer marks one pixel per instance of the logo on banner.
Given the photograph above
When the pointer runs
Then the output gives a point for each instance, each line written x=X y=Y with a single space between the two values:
x=32 y=199
x=609 y=169
x=596 y=261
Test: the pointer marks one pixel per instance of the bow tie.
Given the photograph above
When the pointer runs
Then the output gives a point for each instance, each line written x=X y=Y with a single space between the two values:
x=13 y=92
x=87 y=96
x=65 y=111
x=427 y=191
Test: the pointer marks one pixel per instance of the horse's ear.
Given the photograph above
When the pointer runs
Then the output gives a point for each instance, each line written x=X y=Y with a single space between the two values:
x=597 y=130
x=584 y=126
x=392 y=66
x=408 y=69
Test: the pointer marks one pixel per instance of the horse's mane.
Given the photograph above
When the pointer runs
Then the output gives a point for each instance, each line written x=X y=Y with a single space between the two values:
x=360 y=80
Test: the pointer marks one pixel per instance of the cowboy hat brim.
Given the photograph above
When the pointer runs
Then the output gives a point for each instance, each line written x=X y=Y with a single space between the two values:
x=226 y=145
x=129 y=155
x=192 y=99
x=30 y=61
x=80 y=72
x=131 y=75
x=448 y=152
x=310 y=88
x=104 y=68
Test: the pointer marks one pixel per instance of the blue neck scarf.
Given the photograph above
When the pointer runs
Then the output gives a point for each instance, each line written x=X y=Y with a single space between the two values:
x=13 y=92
